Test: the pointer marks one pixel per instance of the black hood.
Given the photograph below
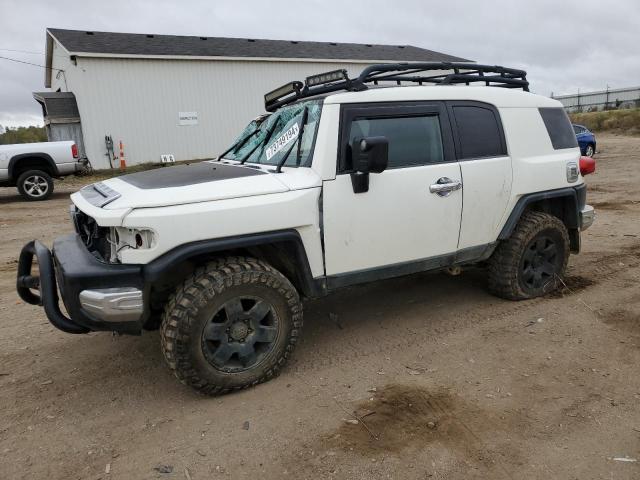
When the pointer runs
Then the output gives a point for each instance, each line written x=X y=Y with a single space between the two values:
x=189 y=174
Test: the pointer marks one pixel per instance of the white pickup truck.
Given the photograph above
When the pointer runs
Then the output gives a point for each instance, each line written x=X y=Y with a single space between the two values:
x=32 y=166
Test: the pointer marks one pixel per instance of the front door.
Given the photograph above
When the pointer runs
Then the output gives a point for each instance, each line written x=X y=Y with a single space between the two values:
x=407 y=217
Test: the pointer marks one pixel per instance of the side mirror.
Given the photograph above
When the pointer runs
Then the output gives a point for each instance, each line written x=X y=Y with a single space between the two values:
x=369 y=155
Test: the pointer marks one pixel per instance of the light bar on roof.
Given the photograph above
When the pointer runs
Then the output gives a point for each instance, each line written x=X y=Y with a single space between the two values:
x=282 y=91
x=328 y=77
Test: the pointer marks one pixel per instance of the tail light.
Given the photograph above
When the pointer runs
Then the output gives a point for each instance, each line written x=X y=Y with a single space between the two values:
x=74 y=150
x=587 y=165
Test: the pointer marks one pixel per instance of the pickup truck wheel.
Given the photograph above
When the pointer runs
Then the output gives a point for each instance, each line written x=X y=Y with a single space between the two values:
x=231 y=325
x=531 y=262
x=35 y=185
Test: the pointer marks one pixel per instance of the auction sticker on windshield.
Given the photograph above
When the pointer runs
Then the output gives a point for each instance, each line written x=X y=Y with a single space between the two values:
x=283 y=140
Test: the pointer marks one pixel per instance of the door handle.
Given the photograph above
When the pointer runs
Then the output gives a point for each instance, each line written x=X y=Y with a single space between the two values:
x=444 y=186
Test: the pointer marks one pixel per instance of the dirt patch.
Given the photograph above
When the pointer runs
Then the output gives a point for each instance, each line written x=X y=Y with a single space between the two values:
x=622 y=319
x=403 y=416
x=600 y=189
x=9 y=266
x=417 y=422
x=572 y=284
x=633 y=250
x=408 y=417
x=580 y=407
x=615 y=205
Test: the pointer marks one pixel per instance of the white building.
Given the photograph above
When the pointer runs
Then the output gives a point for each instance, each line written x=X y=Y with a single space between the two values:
x=186 y=96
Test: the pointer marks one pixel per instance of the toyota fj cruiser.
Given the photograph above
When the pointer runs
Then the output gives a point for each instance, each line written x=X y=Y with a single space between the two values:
x=345 y=182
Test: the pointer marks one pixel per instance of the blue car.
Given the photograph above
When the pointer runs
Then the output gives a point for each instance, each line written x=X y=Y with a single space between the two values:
x=586 y=140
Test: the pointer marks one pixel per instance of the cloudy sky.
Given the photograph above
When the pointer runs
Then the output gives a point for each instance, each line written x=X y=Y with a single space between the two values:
x=564 y=45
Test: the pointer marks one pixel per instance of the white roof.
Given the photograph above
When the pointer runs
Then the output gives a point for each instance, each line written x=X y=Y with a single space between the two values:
x=498 y=96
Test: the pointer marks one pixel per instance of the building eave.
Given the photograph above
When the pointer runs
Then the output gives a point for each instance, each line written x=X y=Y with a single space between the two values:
x=233 y=59
x=49 y=58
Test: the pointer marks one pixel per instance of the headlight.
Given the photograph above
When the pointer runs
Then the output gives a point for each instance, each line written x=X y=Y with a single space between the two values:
x=121 y=238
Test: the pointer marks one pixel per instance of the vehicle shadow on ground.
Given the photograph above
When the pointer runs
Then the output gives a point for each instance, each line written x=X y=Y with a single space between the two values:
x=15 y=197
x=392 y=299
x=352 y=318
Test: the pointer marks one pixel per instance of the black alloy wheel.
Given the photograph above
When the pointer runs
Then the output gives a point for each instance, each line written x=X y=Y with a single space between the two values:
x=240 y=334
x=540 y=263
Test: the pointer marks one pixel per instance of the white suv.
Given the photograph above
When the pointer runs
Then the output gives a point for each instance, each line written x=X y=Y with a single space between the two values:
x=345 y=182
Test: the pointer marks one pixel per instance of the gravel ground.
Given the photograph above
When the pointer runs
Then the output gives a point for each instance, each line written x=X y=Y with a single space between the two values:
x=450 y=382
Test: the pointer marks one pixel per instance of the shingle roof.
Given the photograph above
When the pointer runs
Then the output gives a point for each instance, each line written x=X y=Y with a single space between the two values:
x=58 y=105
x=79 y=41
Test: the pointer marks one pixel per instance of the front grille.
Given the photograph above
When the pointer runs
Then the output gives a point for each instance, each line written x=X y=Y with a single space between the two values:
x=92 y=235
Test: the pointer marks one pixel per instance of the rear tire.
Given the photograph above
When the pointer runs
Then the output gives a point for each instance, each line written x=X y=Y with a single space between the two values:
x=232 y=324
x=532 y=261
x=35 y=185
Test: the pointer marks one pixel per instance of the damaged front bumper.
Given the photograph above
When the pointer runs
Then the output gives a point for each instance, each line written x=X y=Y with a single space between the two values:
x=97 y=296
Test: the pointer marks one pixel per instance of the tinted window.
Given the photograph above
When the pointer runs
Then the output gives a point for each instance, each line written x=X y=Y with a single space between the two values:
x=479 y=132
x=412 y=140
x=559 y=128
x=577 y=129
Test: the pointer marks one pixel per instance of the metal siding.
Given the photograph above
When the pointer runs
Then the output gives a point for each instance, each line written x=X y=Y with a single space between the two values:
x=137 y=101
x=627 y=97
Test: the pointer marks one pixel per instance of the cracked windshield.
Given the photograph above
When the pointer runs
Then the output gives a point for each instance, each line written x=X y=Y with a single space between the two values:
x=287 y=134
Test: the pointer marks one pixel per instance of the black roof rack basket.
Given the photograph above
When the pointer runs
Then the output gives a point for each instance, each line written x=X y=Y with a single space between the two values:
x=434 y=73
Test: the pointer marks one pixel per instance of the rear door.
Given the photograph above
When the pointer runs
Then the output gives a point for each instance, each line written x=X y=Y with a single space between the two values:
x=486 y=170
x=402 y=220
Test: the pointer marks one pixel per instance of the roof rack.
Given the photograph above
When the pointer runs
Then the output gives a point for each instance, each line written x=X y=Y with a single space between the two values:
x=443 y=73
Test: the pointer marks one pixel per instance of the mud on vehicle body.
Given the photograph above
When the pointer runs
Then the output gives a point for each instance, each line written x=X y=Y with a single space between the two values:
x=344 y=182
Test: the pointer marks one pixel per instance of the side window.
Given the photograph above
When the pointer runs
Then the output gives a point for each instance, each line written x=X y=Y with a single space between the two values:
x=413 y=140
x=479 y=132
x=558 y=128
x=577 y=129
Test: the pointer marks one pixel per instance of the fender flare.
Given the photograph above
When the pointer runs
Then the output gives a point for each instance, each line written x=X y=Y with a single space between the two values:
x=40 y=155
x=156 y=270
x=574 y=198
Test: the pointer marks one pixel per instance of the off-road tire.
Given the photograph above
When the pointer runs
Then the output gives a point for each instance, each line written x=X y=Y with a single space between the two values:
x=505 y=269
x=33 y=193
x=191 y=308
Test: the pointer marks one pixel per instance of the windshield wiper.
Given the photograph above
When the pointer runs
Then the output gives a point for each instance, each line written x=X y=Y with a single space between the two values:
x=262 y=143
x=236 y=146
x=298 y=142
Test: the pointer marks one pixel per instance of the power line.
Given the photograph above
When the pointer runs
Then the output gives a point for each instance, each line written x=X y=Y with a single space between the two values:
x=29 y=63
x=21 y=51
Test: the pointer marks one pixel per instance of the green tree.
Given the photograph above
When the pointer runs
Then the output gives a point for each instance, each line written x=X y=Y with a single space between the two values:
x=31 y=134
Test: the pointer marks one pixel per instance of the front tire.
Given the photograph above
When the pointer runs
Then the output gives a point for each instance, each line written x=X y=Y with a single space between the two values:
x=35 y=185
x=231 y=325
x=532 y=261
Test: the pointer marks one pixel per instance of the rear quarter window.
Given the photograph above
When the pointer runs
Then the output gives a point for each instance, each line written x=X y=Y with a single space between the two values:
x=559 y=128
x=479 y=132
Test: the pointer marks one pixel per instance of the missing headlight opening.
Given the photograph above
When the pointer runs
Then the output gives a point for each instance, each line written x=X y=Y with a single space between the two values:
x=122 y=238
